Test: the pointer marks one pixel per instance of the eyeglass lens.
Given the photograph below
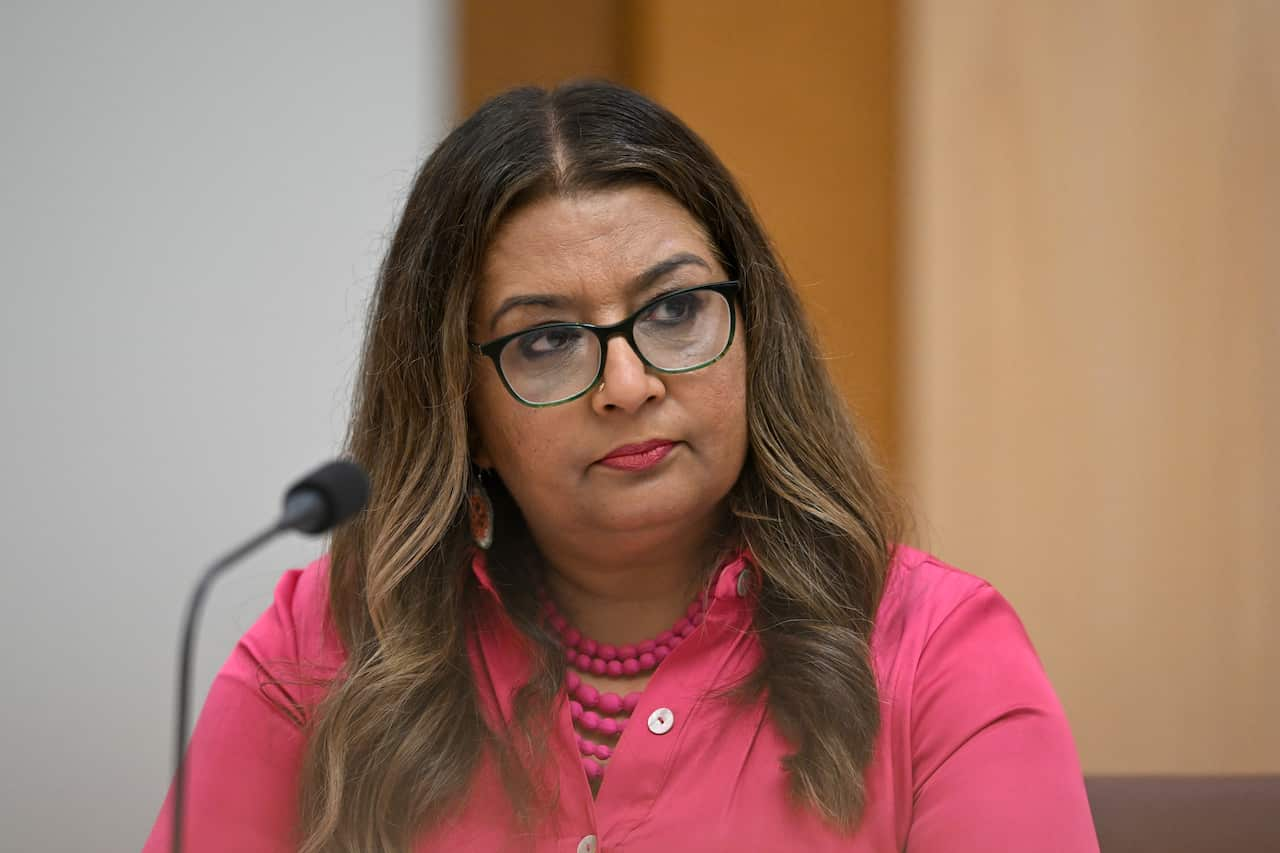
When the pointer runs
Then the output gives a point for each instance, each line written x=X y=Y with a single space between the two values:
x=682 y=332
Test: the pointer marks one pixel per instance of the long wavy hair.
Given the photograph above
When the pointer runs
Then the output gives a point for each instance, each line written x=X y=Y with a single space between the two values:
x=396 y=740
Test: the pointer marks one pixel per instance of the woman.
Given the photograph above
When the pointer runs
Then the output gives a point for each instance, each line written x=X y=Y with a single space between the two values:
x=630 y=579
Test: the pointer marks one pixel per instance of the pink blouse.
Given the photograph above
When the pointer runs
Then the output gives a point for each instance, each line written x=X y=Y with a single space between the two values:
x=973 y=754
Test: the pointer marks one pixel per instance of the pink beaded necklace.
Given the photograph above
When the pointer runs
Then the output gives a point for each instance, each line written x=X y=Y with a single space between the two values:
x=606 y=714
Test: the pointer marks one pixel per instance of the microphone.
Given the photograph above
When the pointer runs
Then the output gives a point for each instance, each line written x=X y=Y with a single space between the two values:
x=317 y=503
x=325 y=498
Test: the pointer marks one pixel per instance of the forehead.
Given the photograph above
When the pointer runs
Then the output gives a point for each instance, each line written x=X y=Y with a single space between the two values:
x=587 y=244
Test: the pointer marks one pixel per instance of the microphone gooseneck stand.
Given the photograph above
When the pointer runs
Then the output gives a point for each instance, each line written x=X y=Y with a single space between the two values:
x=315 y=504
x=194 y=606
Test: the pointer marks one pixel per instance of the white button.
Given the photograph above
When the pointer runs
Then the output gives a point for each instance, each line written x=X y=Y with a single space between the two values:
x=661 y=721
x=744 y=583
x=587 y=844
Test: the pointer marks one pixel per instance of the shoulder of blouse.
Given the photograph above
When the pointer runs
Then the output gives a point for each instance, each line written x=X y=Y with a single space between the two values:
x=920 y=592
x=292 y=653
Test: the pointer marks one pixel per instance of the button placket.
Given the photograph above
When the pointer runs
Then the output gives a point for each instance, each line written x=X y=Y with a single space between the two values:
x=671 y=707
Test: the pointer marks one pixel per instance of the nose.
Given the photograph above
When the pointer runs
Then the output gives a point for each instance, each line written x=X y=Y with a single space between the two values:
x=626 y=382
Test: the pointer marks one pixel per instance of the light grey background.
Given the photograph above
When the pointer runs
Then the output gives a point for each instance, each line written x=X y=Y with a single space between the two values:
x=195 y=200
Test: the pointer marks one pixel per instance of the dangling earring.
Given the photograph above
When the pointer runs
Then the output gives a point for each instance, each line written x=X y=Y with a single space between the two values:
x=480 y=509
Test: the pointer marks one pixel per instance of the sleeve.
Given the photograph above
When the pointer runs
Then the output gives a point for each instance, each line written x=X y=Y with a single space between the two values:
x=245 y=753
x=994 y=766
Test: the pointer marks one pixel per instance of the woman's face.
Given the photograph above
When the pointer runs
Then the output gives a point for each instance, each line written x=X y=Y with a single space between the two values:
x=578 y=258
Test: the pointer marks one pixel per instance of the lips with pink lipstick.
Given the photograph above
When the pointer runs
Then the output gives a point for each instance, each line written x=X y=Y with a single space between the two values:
x=637 y=457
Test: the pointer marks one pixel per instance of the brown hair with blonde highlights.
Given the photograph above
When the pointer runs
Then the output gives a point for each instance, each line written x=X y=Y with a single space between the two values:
x=400 y=734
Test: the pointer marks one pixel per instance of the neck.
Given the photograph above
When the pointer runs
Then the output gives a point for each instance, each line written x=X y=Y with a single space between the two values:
x=620 y=592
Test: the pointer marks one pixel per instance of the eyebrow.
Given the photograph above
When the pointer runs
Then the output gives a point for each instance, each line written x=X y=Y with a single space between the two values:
x=639 y=284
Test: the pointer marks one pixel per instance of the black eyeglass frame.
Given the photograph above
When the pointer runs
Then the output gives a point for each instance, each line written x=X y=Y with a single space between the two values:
x=493 y=349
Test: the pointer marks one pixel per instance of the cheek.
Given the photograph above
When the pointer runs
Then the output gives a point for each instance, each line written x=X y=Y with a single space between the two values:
x=512 y=437
x=490 y=416
x=735 y=406
x=732 y=386
x=723 y=408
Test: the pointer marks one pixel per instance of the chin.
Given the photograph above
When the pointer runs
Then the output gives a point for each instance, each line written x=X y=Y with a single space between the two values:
x=639 y=516
x=653 y=510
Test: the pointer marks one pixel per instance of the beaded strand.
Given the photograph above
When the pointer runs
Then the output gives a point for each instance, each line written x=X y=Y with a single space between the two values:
x=607 y=714
x=588 y=656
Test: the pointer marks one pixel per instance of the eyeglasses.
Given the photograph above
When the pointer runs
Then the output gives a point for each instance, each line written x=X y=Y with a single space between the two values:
x=558 y=362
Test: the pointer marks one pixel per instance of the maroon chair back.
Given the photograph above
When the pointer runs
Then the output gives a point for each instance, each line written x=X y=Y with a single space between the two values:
x=1186 y=814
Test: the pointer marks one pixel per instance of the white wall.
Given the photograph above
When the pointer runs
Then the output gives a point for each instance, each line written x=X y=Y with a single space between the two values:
x=195 y=199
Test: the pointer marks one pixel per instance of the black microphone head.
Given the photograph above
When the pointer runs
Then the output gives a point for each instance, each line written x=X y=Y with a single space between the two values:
x=326 y=497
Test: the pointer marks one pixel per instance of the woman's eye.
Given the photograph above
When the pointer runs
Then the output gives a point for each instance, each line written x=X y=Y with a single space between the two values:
x=675 y=309
x=549 y=342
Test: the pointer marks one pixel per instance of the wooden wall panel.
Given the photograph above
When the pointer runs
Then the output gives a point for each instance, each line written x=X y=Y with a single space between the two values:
x=799 y=101
x=1091 y=252
x=505 y=43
